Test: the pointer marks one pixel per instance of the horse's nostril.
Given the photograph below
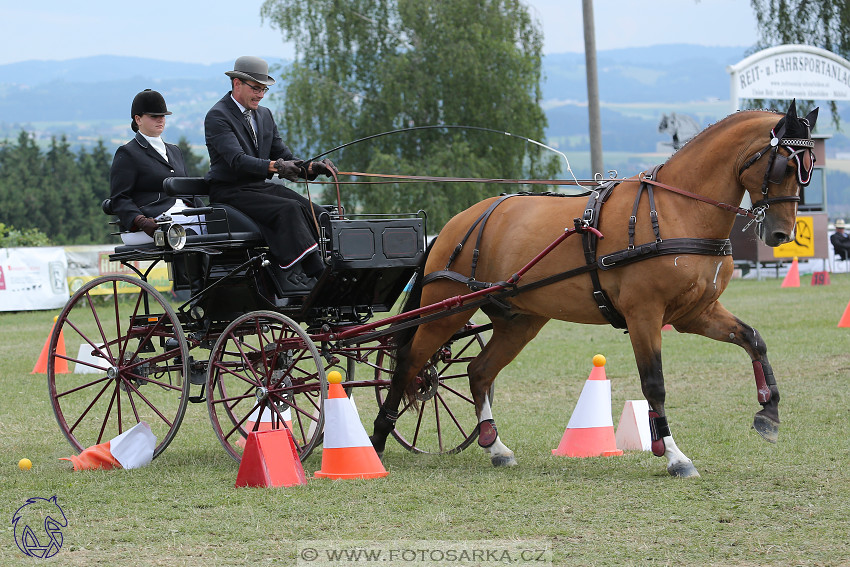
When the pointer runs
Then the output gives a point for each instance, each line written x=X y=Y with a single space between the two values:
x=780 y=236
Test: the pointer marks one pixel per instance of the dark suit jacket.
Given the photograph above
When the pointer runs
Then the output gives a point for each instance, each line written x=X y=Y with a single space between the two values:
x=841 y=244
x=135 y=179
x=234 y=161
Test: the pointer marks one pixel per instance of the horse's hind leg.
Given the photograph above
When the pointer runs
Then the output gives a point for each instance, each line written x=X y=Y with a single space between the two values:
x=718 y=323
x=410 y=359
x=646 y=342
x=508 y=339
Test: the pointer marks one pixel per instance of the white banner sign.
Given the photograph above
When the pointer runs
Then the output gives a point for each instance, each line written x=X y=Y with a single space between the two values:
x=32 y=278
x=791 y=71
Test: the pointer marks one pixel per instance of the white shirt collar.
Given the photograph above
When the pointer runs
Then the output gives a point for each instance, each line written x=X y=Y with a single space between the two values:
x=157 y=144
x=242 y=109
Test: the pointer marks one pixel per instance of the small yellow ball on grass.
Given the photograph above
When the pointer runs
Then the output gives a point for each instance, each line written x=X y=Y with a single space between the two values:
x=334 y=377
x=25 y=464
x=598 y=360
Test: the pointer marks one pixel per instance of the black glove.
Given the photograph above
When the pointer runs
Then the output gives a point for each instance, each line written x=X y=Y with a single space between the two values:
x=324 y=167
x=288 y=169
x=145 y=224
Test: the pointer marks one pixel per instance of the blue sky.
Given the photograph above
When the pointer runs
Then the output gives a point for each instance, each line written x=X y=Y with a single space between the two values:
x=215 y=30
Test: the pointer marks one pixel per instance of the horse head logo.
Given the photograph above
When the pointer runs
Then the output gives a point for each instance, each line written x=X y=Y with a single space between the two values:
x=38 y=527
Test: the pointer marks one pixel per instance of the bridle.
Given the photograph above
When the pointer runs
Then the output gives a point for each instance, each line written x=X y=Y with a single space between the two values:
x=778 y=163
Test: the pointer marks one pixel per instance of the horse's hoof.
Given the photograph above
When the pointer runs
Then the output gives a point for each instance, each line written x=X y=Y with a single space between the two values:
x=685 y=469
x=766 y=427
x=503 y=461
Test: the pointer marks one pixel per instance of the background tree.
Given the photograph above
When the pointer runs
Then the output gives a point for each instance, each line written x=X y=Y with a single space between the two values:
x=367 y=66
x=54 y=193
x=820 y=23
x=196 y=164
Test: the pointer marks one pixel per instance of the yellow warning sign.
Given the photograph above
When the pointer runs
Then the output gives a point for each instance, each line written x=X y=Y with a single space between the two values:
x=803 y=244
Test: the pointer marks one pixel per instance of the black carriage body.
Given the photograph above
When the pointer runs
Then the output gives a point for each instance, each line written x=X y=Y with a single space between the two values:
x=371 y=260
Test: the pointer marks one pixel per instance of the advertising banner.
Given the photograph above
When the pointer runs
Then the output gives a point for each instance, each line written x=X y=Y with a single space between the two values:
x=32 y=278
x=86 y=263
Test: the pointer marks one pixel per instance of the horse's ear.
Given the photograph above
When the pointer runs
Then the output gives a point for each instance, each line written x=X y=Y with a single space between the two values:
x=812 y=118
x=792 y=109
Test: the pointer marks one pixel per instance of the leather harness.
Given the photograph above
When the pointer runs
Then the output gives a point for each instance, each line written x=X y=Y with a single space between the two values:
x=590 y=218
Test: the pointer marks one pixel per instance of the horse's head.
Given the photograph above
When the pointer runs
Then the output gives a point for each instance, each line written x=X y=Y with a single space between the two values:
x=780 y=170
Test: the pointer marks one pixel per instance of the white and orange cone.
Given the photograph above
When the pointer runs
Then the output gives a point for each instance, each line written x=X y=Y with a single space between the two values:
x=347 y=451
x=132 y=449
x=590 y=431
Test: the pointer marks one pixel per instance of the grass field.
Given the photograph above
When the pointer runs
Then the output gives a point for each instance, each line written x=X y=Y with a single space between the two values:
x=755 y=504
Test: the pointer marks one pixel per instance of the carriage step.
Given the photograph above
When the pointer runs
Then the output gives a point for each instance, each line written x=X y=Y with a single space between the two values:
x=197 y=399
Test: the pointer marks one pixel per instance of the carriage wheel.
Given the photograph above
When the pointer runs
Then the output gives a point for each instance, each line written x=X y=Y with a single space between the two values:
x=130 y=357
x=265 y=372
x=445 y=421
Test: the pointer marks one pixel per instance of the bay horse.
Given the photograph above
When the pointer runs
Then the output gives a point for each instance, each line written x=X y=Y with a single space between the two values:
x=664 y=259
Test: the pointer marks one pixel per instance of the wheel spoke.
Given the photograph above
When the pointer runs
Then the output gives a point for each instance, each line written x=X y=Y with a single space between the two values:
x=107 y=326
x=272 y=361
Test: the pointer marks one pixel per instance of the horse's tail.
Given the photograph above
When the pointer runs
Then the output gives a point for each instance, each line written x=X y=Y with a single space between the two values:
x=402 y=337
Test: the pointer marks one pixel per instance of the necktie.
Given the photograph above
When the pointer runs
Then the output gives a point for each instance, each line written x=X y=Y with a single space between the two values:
x=247 y=114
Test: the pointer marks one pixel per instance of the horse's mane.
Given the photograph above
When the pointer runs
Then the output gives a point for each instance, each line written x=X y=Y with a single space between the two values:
x=730 y=119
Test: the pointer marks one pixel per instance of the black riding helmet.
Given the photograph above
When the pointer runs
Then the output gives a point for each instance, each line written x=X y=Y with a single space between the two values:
x=148 y=102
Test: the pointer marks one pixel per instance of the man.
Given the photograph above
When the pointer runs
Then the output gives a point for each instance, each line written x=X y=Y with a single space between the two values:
x=840 y=240
x=245 y=152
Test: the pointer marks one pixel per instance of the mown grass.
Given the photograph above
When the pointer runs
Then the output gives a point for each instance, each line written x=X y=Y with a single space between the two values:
x=755 y=504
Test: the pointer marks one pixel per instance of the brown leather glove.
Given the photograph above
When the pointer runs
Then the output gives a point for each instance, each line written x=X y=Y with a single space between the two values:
x=145 y=224
x=288 y=169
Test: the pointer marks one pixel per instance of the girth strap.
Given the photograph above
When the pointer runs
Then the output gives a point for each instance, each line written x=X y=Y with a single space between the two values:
x=589 y=242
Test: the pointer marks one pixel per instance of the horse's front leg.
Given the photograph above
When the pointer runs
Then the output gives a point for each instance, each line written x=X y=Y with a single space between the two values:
x=647 y=347
x=718 y=323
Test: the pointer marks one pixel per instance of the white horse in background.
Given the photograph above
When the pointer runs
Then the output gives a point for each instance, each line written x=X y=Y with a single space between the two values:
x=680 y=126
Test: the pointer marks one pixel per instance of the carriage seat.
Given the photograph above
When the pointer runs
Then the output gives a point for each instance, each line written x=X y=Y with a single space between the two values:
x=223 y=219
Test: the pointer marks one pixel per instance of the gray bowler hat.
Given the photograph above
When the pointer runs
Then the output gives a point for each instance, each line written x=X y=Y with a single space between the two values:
x=251 y=69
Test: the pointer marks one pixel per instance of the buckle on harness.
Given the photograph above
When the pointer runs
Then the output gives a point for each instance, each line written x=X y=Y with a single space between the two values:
x=588 y=216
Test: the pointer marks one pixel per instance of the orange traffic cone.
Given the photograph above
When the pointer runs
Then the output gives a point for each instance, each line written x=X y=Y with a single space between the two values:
x=61 y=363
x=845 y=319
x=792 y=278
x=347 y=451
x=270 y=459
x=590 y=431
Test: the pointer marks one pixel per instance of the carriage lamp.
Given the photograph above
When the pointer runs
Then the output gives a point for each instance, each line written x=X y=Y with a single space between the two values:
x=173 y=236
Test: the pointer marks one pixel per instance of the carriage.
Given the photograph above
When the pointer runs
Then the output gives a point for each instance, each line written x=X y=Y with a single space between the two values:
x=253 y=342
x=272 y=336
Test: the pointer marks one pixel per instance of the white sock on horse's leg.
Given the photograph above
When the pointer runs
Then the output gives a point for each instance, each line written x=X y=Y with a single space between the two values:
x=489 y=440
x=678 y=464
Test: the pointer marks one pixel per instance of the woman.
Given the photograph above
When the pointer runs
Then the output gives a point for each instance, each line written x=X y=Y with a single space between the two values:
x=138 y=168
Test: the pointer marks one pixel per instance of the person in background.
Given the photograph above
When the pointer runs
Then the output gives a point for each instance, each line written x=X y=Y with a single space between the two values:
x=137 y=172
x=840 y=241
x=245 y=152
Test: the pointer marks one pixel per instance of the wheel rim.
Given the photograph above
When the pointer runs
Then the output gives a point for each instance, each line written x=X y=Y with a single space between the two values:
x=445 y=421
x=266 y=373
x=130 y=357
